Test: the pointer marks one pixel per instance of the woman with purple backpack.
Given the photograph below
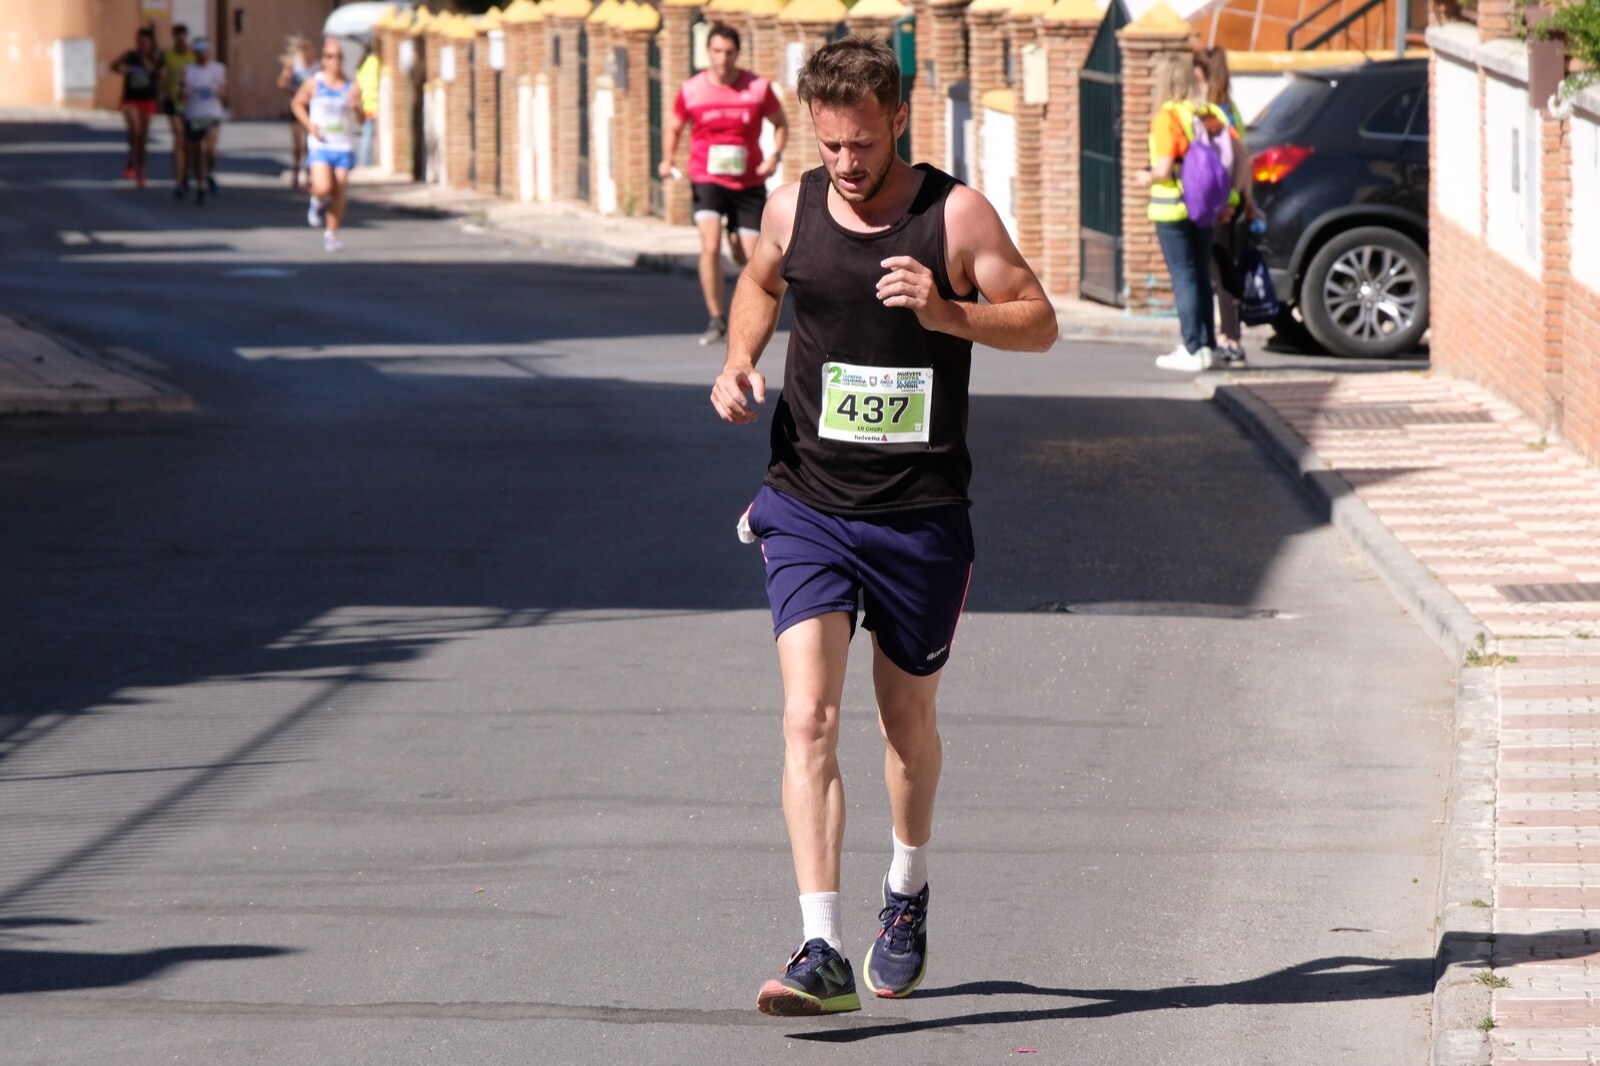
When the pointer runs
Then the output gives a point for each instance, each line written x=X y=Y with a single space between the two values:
x=1192 y=164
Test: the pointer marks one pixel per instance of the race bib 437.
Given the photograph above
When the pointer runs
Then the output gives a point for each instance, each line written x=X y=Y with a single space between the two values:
x=876 y=404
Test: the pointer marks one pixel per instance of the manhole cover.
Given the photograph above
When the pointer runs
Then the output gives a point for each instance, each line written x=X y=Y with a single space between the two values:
x=1163 y=609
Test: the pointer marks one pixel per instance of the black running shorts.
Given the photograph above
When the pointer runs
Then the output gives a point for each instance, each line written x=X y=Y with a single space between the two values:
x=741 y=207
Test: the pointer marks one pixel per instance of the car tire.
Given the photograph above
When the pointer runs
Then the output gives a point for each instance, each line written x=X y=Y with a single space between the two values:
x=1365 y=294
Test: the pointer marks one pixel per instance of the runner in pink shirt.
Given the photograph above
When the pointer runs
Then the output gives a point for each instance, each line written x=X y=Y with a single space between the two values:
x=725 y=106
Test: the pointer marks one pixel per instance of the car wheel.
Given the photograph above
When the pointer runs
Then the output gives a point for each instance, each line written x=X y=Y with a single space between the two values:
x=1365 y=294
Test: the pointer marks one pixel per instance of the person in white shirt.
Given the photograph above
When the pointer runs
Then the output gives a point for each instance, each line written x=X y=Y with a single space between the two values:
x=205 y=89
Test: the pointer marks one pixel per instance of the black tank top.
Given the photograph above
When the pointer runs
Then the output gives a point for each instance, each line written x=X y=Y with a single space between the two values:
x=839 y=326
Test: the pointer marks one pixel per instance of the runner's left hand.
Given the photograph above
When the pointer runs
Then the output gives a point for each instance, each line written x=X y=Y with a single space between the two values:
x=910 y=284
x=767 y=167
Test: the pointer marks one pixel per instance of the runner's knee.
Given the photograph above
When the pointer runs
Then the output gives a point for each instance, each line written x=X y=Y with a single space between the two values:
x=810 y=729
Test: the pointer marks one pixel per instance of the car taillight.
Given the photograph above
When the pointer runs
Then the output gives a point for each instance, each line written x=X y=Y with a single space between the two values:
x=1274 y=164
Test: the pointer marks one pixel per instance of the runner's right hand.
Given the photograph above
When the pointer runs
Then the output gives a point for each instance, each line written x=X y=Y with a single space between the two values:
x=665 y=169
x=728 y=394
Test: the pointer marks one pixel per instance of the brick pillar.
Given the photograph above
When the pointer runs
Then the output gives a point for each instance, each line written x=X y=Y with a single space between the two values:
x=763 y=48
x=1497 y=19
x=809 y=24
x=942 y=57
x=563 y=23
x=1156 y=32
x=524 y=30
x=1028 y=205
x=598 y=26
x=1069 y=29
x=986 y=68
x=486 y=101
x=634 y=32
x=459 y=35
x=676 y=42
x=875 y=18
x=395 y=116
x=1555 y=245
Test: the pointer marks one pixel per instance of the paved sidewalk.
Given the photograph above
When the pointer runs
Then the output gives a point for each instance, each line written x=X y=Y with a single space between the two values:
x=1508 y=525
x=650 y=244
x=42 y=373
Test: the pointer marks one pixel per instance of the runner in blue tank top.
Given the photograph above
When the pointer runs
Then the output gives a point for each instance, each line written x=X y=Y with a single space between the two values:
x=865 y=500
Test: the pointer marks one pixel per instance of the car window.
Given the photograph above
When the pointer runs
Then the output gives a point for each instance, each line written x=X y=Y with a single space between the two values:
x=1419 y=121
x=1393 y=115
x=1289 y=110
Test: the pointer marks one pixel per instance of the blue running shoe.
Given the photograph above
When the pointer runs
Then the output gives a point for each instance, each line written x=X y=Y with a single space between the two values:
x=899 y=957
x=816 y=980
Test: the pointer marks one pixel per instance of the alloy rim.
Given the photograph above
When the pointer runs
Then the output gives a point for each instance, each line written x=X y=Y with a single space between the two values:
x=1371 y=293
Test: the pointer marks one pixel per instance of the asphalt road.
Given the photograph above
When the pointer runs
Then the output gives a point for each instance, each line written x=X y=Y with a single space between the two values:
x=411 y=699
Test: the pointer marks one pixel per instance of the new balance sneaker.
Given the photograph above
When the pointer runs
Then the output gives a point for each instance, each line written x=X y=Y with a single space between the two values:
x=716 y=331
x=816 y=980
x=898 y=959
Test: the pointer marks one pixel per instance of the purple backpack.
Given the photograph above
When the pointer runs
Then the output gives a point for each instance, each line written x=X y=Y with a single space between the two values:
x=1207 y=173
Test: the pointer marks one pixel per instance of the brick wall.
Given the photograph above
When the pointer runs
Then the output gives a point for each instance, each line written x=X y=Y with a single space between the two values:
x=1028 y=205
x=1529 y=330
x=1068 y=32
x=562 y=35
x=802 y=154
x=1144 y=271
x=486 y=117
x=986 y=69
x=677 y=21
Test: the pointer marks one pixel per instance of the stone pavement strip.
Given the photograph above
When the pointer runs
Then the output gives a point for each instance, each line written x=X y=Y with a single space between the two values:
x=40 y=372
x=1508 y=525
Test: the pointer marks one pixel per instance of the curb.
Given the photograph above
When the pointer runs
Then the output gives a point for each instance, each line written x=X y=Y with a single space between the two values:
x=161 y=397
x=1464 y=935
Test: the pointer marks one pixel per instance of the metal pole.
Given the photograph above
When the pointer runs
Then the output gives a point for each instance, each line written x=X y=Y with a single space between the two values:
x=1402 y=26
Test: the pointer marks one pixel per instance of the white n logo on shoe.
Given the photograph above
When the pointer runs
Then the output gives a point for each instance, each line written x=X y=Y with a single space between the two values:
x=834 y=973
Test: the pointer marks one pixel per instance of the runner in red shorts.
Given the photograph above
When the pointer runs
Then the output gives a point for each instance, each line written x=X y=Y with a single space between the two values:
x=725 y=105
x=140 y=68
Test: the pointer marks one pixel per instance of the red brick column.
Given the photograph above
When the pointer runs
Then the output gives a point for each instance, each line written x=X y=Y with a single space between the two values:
x=1156 y=32
x=486 y=103
x=402 y=97
x=1497 y=19
x=677 y=23
x=942 y=57
x=1069 y=29
x=986 y=68
x=524 y=29
x=634 y=32
x=763 y=47
x=459 y=35
x=809 y=24
x=1027 y=32
x=563 y=23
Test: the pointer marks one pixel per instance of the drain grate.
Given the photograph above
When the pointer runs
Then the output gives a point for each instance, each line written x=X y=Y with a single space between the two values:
x=1558 y=592
x=1391 y=416
x=1161 y=609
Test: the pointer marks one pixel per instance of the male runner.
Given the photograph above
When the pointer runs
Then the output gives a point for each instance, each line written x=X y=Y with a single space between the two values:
x=173 y=64
x=328 y=105
x=866 y=492
x=205 y=95
x=728 y=174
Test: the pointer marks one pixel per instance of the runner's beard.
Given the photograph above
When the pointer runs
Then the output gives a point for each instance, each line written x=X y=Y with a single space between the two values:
x=874 y=186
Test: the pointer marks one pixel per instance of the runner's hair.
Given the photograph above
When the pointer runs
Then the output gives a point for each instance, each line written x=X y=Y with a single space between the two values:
x=1175 y=81
x=727 y=33
x=850 y=70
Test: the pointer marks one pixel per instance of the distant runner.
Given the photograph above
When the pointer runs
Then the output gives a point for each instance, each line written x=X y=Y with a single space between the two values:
x=725 y=105
x=205 y=95
x=173 y=64
x=140 y=68
x=865 y=503
x=329 y=106
x=299 y=64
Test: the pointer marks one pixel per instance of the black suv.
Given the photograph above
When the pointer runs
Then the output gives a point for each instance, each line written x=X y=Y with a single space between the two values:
x=1340 y=158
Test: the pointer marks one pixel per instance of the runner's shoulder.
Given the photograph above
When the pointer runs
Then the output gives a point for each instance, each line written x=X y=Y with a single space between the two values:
x=777 y=217
x=969 y=216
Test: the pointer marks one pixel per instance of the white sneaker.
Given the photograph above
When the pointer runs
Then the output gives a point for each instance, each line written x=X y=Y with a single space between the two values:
x=1185 y=361
x=331 y=243
x=314 y=213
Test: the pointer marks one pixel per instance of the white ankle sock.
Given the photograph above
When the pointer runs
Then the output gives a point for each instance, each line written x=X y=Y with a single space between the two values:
x=820 y=913
x=908 y=870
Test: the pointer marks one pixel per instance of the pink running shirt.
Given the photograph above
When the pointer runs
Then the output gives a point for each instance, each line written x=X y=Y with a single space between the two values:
x=727 y=127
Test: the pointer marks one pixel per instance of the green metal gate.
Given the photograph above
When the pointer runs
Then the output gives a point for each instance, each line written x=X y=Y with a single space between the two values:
x=904 y=43
x=658 y=199
x=583 y=113
x=1100 y=163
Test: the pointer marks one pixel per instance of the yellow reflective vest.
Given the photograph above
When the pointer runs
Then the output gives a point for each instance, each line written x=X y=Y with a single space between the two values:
x=367 y=82
x=1166 y=195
